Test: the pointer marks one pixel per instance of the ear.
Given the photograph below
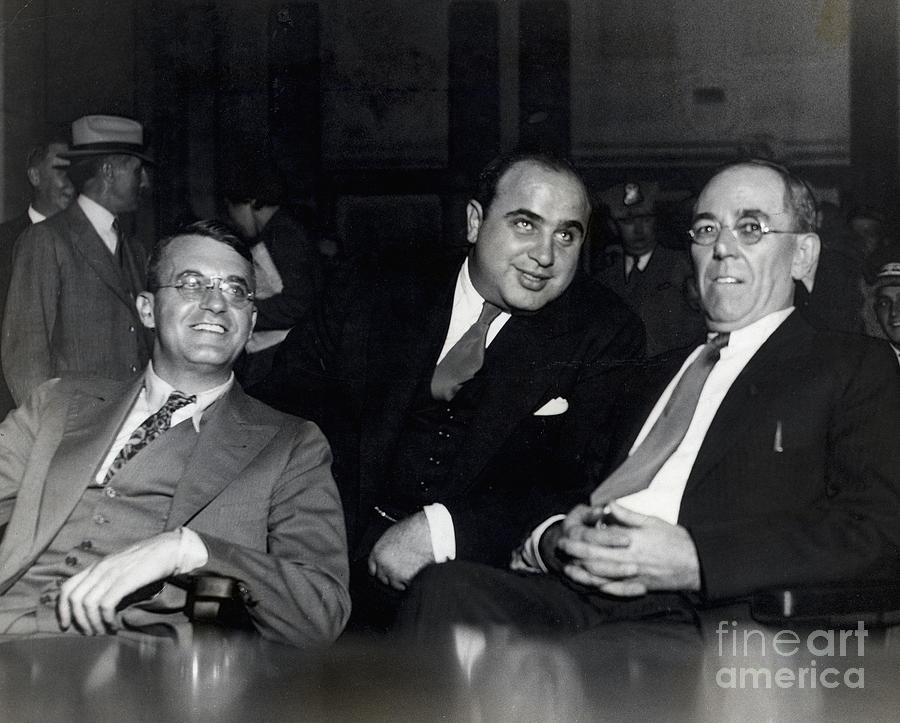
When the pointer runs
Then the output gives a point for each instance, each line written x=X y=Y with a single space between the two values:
x=34 y=176
x=474 y=219
x=252 y=321
x=806 y=257
x=144 y=304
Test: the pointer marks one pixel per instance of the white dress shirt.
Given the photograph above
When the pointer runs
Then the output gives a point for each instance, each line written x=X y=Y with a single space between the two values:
x=641 y=260
x=102 y=221
x=662 y=498
x=152 y=397
x=467 y=305
x=34 y=215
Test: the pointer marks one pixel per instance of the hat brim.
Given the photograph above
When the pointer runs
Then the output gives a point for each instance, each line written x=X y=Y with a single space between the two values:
x=883 y=281
x=80 y=154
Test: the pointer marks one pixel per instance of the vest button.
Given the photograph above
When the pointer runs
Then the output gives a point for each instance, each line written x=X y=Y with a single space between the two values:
x=100 y=519
x=110 y=492
x=71 y=560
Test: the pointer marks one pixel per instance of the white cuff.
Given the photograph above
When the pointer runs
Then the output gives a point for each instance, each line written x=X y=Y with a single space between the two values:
x=192 y=552
x=531 y=555
x=443 y=536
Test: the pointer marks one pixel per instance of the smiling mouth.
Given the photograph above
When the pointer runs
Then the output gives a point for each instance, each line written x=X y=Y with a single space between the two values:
x=727 y=280
x=534 y=282
x=212 y=328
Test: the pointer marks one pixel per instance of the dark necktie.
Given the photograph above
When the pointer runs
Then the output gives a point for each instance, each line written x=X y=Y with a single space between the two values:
x=465 y=357
x=636 y=472
x=150 y=429
x=117 y=230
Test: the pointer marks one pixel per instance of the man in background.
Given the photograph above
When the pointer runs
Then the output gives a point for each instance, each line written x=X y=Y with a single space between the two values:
x=75 y=277
x=51 y=192
x=650 y=277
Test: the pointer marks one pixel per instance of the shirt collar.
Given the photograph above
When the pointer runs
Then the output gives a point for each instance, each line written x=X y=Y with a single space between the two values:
x=465 y=291
x=35 y=215
x=749 y=338
x=158 y=391
x=101 y=219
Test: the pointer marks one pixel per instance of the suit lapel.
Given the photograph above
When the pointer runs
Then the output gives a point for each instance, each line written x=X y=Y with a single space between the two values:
x=228 y=441
x=87 y=426
x=91 y=247
x=740 y=408
x=401 y=355
x=521 y=368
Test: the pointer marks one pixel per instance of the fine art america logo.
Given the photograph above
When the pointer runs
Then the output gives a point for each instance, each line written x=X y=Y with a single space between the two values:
x=786 y=659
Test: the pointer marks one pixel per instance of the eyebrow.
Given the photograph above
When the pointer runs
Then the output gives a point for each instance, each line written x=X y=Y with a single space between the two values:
x=532 y=216
x=741 y=212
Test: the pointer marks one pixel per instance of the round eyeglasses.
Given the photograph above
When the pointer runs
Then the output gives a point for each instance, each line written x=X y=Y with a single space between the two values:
x=747 y=231
x=194 y=287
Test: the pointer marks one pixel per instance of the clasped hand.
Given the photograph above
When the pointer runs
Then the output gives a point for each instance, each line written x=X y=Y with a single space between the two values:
x=89 y=599
x=627 y=554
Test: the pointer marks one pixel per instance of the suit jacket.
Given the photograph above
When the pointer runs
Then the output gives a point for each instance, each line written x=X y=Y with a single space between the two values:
x=358 y=371
x=9 y=232
x=798 y=478
x=657 y=295
x=257 y=489
x=71 y=306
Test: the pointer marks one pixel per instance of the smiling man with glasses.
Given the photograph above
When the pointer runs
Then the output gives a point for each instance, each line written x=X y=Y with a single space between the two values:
x=117 y=496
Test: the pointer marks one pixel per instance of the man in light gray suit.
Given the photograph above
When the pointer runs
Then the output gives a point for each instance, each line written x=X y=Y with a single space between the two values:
x=75 y=277
x=116 y=496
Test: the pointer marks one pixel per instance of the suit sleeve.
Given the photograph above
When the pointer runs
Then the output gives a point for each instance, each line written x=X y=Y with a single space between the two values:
x=30 y=313
x=298 y=584
x=518 y=494
x=846 y=529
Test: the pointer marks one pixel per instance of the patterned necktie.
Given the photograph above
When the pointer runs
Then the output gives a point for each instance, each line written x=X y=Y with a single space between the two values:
x=150 y=429
x=464 y=358
x=636 y=472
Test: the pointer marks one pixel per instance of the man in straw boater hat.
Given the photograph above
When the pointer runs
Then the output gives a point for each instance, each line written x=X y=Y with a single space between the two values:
x=75 y=277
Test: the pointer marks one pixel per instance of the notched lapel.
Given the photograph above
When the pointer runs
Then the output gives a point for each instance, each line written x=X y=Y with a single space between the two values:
x=228 y=443
x=91 y=423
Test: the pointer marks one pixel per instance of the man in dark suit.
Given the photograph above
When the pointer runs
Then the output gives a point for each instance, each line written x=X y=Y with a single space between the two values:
x=51 y=192
x=428 y=475
x=75 y=277
x=785 y=471
x=116 y=495
x=649 y=276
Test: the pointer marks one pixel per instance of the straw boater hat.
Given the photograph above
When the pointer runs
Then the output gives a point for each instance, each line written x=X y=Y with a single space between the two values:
x=103 y=135
x=888 y=275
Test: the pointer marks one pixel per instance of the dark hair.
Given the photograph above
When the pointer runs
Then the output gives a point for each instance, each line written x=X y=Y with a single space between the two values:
x=208 y=228
x=798 y=195
x=38 y=154
x=490 y=176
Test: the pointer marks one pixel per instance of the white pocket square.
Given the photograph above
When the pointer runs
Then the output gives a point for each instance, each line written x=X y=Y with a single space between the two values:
x=557 y=405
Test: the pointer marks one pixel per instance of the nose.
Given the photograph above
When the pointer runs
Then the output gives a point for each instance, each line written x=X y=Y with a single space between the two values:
x=726 y=243
x=213 y=299
x=145 y=180
x=542 y=251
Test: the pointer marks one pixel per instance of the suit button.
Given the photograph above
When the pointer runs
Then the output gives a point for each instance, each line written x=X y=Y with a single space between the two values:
x=71 y=561
x=100 y=519
x=110 y=492
x=133 y=368
x=131 y=328
x=46 y=599
x=86 y=545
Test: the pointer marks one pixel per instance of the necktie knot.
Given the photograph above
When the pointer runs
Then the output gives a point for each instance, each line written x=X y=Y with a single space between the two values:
x=150 y=429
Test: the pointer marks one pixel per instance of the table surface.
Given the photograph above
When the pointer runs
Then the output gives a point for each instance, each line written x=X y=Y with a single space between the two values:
x=497 y=677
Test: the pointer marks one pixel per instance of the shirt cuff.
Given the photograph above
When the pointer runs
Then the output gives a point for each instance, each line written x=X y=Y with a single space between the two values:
x=443 y=536
x=529 y=557
x=192 y=552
